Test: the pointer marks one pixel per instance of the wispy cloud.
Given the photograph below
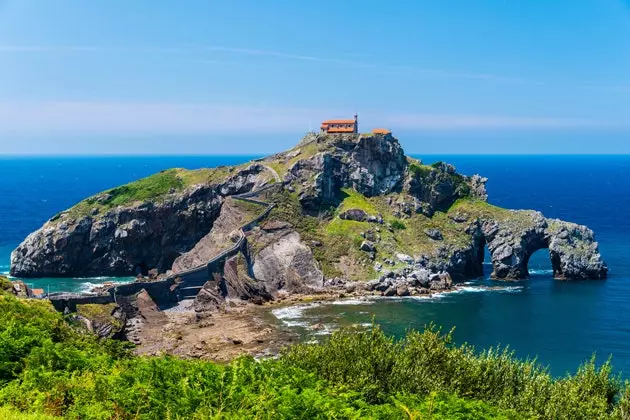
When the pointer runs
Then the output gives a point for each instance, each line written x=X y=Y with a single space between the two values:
x=205 y=49
x=173 y=118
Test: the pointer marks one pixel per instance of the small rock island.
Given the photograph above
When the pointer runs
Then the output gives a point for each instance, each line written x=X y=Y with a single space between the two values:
x=339 y=211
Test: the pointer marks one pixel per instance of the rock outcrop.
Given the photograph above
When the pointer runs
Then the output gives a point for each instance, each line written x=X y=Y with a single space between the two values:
x=572 y=248
x=371 y=165
x=129 y=239
x=283 y=261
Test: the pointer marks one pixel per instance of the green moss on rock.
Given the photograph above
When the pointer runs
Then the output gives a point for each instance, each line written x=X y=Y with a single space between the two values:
x=100 y=313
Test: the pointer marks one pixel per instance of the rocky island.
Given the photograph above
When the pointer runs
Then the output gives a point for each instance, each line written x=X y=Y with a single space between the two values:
x=338 y=212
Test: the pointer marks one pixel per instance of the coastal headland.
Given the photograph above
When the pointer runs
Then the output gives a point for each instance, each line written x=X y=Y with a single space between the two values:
x=340 y=214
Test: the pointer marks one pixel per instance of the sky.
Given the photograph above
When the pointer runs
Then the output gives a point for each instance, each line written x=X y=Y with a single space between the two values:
x=251 y=76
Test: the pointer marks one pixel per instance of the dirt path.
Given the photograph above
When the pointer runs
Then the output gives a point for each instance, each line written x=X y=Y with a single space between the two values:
x=273 y=171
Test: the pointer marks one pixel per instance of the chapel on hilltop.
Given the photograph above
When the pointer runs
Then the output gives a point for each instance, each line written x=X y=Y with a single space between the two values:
x=341 y=126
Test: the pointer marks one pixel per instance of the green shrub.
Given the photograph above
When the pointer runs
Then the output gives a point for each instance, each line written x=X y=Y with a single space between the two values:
x=398 y=225
x=424 y=362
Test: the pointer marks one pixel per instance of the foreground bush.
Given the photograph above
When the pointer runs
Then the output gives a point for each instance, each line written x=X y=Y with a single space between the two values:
x=50 y=370
x=378 y=366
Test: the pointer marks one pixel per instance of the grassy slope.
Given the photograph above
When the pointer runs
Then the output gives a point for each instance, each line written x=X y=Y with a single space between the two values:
x=152 y=188
x=49 y=369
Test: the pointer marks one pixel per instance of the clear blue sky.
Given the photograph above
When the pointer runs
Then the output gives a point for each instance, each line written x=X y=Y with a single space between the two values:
x=236 y=76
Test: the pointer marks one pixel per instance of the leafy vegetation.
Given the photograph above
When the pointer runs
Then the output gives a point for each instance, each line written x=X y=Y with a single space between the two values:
x=398 y=225
x=48 y=370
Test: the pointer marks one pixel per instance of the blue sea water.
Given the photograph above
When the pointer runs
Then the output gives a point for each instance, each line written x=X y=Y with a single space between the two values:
x=562 y=323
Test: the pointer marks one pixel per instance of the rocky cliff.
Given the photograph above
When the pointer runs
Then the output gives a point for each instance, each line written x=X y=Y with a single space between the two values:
x=349 y=207
x=131 y=229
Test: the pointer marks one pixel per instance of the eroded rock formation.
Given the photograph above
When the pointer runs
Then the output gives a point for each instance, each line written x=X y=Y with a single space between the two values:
x=574 y=253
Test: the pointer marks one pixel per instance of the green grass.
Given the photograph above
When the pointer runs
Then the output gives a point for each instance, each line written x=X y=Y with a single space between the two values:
x=49 y=370
x=153 y=188
x=351 y=199
x=418 y=169
x=516 y=219
x=5 y=284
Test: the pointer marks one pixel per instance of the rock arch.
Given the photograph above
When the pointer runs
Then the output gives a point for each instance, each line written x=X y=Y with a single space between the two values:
x=573 y=251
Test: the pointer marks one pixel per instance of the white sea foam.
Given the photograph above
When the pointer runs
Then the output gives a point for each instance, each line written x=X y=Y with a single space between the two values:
x=512 y=289
x=472 y=289
x=541 y=272
x=352 y=302
x=292 y=316
x=478 y=289
x=87 y=286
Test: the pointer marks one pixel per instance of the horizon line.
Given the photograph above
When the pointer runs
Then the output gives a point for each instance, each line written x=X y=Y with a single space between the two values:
x=257 y=155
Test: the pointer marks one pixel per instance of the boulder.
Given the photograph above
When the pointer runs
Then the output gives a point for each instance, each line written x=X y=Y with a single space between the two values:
x=375 y=219
x=434 y=234
x=440 y=281
x=357 y=215
x=404 y=258
x=402 y=290
x=368 y=246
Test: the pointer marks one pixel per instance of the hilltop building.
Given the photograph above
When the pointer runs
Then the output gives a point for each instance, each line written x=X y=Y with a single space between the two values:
x=383 y=131
x=341 y=126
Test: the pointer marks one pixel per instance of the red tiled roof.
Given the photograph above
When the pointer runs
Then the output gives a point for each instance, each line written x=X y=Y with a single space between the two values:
x=381 y=131
x=338 y=122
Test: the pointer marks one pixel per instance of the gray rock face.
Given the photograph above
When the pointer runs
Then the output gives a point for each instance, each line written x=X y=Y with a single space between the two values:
x=368 y=246
x=283 y=262
x=437 y=188
x=574 y=252
x=127 y=240
x=223 y=235
x=434 y=234
x=235 y=286
x=371 y=165
x=478 y=187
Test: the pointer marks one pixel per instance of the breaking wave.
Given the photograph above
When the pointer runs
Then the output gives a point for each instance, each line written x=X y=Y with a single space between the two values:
x=293 y=316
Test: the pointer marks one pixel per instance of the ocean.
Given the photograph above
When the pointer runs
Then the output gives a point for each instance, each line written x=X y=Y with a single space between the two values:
x=560 y=323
